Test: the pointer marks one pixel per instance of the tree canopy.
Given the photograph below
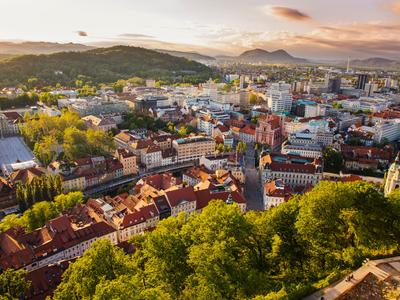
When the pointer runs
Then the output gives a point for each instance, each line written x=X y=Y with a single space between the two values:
x=99 y=66
x=282 y=253
x=41 y=212
x=68 y=134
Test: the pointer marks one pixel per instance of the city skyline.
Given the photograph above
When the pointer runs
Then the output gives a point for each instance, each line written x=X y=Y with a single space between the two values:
x=307 y=28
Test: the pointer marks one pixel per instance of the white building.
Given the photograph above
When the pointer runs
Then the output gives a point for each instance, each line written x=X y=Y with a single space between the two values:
x=279 y=97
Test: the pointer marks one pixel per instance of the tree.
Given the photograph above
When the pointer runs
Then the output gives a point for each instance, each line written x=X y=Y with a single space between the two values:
x=253 y=99
x=11 y=221
x=75 y=143
x=221 y=253
x=345 y=222
x=333 y=160
x=102 y=262
x=32 y=82
x=65 y=201
x=13 y=284
x=119 y=86
x=45 y=150
x=182 y=131
x=220 y=148
x=39 y=214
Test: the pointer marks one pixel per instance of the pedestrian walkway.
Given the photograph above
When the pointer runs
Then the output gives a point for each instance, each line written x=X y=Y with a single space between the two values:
x=374 y=272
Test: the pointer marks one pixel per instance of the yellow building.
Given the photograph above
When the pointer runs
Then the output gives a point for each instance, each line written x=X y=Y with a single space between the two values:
x=192 y=148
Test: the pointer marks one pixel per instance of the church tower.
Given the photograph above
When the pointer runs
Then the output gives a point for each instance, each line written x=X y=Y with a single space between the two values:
x=393 y=176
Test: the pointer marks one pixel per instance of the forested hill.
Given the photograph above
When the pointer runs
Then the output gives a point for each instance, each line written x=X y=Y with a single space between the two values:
x=100 y=65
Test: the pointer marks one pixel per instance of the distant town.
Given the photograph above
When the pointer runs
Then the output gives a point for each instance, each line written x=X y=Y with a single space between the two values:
x=119 y=158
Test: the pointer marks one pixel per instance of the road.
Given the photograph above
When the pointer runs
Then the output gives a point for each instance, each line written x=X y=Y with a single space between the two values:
x=253 y=188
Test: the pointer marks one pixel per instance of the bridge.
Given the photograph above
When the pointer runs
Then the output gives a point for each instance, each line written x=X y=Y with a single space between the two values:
x=114 y=184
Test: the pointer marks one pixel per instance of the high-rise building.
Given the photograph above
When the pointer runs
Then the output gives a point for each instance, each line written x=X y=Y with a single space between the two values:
x=370 y=88
x=242 y=81
x=362 y=80
x=334 y=85
x=279 y=97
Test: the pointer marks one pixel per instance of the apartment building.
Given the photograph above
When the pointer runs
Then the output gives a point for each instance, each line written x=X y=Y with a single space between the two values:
x=294 y=170
x=193 y=148
x=128 y=161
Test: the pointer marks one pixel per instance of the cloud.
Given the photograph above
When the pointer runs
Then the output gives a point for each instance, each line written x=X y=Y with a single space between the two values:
x=288 y=13
x=393 y=6
x=328 y=41
x=136 y=36
x=396 y=8
x=82 y=33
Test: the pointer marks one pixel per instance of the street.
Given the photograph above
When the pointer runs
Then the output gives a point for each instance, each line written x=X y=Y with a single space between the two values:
x=253 y=188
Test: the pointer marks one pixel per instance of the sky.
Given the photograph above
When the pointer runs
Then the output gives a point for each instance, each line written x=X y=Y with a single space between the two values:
x=306 y=28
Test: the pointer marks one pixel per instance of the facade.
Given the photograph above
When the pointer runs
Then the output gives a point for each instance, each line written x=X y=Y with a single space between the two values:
x=63 y=238
x=128 y=161
x=275 y=193
x=205 y=125
x=306 y=150
x=393 y=177
x=294 y=170
x=193 y=148
x=247 y=134
x=269 y=131
x=279 y=98
x=307 y=137
x=214 y=162
x=152 y=157
x=9 y=124
x=100 y=123
x=362 y=81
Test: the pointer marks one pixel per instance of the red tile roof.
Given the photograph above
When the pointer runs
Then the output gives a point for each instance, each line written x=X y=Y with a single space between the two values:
x=176 y=197
x=142 y=215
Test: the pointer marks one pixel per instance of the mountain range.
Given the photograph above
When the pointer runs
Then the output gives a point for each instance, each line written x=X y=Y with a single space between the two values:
x=376 y=62
x=12 y=48
x=263 y=56
x=188 y=55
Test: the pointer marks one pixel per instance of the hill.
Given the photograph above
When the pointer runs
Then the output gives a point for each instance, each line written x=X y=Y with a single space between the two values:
x=188 y=55
x=100 y=65
x=376 y=62
x=263 y=56
x=11 y=48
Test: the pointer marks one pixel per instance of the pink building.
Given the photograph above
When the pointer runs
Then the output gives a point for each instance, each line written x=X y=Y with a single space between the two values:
x=269 y=131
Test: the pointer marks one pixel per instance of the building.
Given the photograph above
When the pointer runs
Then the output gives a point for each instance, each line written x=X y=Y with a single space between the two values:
x=306 y=150
x=63 y=238
x=138 y=222
x=269 y=131
x=128 y=161
x=333 y=85
x=247 y=134
x=307 y=137
x=371 y=88
x=393 y=177
x=100 y=123
x=387 y=131
x=205 y=124
x=182 y=200
x=7 y=194
x=9 y=123
x=294 y=170
x=152 y=157
x=361 y=81
x=215 y=162
x=279 y=98
x=192 y=148
x=275 y=193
